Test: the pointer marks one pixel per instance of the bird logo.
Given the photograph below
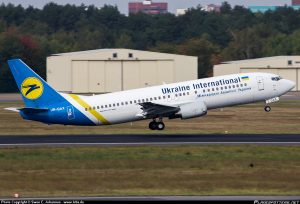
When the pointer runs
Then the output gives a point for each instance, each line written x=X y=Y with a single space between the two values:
x=32 y=88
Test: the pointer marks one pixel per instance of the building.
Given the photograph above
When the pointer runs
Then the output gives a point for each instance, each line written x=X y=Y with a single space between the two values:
x=295 y=2
x=148 y=7
x=263 y=9
x=180 y=12
x=109 y=70
x=212 y=8
x=287 y=67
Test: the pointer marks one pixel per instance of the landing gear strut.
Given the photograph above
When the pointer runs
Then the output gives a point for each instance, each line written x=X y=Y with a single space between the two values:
x=267 y=108
x=154 y=125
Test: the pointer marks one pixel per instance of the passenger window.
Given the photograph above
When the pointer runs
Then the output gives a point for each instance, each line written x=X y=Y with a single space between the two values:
x=86 y=109
x=130 y=102
x=203 y=90
x=187 y=93
x=233 y=86
x=122 y=103
x=179 y=94
x=175 y=95
x=143 y=100
x=118 y=104
x=169 y=96
x=229 y=87
x=195 y=92
x=151 y=99
x=98 y=107
x=212 y=89
x=114 y=105
x=237 y=86
x=159 y=97
x=183 y=94
x=241 y=85
x=105 y=106
x=134 y=101
x=139 y=100
x=225 y=87
x=155 y=98
x=109 y=105
x=221 y=87
x=164 y=97
x=245 y=84
x=208 y=90
x=126 y=103
x=217 y=89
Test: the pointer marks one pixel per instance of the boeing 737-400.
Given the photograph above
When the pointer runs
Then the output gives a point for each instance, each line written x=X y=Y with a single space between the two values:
x=183 y=100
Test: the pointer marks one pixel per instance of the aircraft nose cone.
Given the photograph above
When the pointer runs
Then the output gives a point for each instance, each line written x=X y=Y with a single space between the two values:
x=290 y=84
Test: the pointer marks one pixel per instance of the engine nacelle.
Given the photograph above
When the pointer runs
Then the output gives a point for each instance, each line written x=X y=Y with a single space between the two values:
x=192 y=110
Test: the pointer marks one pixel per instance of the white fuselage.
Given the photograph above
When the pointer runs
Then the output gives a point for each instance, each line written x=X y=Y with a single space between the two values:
x=215 y=92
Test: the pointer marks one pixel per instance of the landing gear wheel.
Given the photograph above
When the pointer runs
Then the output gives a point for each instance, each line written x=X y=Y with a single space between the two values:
x=267 y=108
x=153 y=125
x=160 y=126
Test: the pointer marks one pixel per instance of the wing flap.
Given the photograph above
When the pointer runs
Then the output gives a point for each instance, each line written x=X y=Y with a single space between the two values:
x=152 y=110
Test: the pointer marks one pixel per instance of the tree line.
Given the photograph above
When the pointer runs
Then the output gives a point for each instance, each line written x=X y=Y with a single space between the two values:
x=235 y=33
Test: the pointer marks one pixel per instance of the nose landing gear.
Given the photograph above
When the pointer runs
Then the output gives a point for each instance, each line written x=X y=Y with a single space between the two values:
x=154 y=125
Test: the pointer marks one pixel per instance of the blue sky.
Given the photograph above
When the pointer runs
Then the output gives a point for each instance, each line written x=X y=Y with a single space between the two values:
x=123 y=4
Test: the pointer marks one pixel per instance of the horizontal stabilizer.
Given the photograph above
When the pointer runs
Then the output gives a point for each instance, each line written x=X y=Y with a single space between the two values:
x=27 y=110
x=33 y=110
x=13 y=109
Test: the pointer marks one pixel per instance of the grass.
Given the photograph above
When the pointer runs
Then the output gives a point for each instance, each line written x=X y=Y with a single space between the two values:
x=150 y=170
x=284 y=118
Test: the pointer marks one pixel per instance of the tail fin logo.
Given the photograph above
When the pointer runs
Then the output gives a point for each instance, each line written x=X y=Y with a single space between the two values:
x=32 y=88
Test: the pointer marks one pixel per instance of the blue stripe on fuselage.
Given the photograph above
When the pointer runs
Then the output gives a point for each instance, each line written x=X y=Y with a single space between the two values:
x=58 y=114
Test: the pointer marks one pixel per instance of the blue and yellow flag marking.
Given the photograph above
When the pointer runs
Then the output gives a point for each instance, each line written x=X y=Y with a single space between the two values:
x=90 y=109
x=245 y=78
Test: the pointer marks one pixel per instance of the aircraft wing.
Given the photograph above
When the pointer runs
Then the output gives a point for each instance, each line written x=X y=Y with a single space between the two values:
x=153 y=110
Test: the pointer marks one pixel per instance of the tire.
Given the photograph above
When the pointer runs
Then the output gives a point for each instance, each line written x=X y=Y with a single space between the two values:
x=160 y=126
x=267 y=108
x=153 y=125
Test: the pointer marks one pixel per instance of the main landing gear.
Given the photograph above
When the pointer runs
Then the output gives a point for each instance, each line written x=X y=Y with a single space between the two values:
x=154 y=125
x=267 y=108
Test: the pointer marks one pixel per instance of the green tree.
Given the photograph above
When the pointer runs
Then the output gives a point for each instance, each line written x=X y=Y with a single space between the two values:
x=248 y=43
x=206 y=52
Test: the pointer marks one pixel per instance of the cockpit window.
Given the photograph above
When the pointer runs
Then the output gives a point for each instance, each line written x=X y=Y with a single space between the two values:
x=276 y=78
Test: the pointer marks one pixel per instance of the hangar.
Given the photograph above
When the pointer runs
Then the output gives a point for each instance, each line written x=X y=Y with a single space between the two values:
x=109 y=70
x=287 y=67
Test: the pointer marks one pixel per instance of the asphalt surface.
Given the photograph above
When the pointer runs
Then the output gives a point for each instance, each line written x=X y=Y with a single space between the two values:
x=159 y=139
x=165 y=198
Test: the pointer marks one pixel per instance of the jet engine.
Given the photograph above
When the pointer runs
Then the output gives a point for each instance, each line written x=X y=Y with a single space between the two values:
x=192 y=110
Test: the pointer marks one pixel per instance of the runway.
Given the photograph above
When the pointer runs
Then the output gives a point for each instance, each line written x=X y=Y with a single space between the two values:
x=155 y=139
x=163 y=198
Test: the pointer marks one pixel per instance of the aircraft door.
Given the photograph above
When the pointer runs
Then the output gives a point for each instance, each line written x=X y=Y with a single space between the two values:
x=260 y=83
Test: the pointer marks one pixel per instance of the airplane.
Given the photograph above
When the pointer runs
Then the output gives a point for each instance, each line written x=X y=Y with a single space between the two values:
x=183 y=100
